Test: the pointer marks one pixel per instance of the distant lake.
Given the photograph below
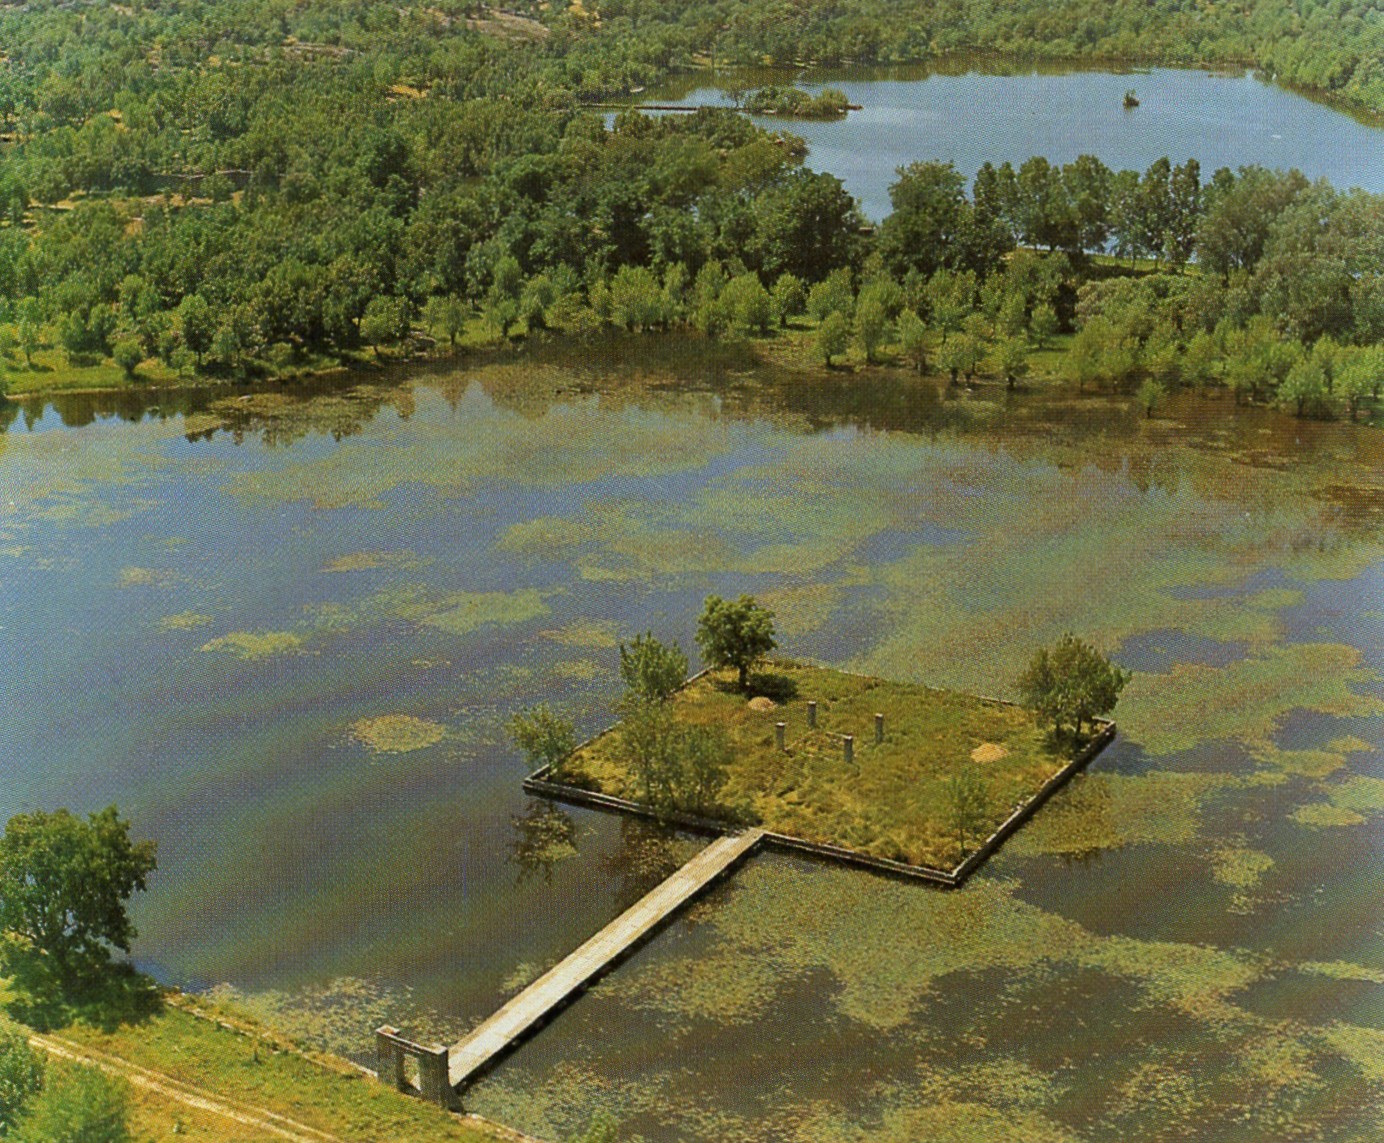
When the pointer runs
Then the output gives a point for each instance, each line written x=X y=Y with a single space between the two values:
x=1220 y=120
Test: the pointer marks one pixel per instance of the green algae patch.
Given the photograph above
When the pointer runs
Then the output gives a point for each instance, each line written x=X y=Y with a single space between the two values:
x=1324 y=815
x=597 y=635
x=1361 y=794
x=803 y=609
x=1316 y=764
x=185 y=621
x=1246 y=700
x=456 y=612
x=142 y=577
x=1341 y=970
x=1239 y=867
x=1363 y=1047
x=252 y=645
x=467 y=611
x=1100 y=811
x=397 y=733
x=947 y=1121
x=374 y=561
x=891 y=801
x=720 y=985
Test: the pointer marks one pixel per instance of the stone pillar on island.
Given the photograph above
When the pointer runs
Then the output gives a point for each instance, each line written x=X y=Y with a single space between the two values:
x=812 y=714
x=848 y=748
x=779 y=728
x=879 y=729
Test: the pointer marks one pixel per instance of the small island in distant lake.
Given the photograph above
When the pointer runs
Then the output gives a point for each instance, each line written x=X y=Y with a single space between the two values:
x=794 y=103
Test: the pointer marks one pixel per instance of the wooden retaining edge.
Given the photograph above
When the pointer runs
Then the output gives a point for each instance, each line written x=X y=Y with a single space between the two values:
x=539 y=783
x=1011 y=824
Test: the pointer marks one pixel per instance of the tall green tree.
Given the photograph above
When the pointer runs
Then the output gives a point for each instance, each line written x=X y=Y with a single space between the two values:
x=1071 y=684
x=64 y=884
x=545 y=737
x=735 y=633
x=651 y=669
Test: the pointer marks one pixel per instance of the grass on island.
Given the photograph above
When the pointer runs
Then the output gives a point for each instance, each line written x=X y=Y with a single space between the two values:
x=893 y=802
x=232 y=1059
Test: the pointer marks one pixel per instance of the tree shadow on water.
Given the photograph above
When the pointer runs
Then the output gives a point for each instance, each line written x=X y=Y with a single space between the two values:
x=106 y=996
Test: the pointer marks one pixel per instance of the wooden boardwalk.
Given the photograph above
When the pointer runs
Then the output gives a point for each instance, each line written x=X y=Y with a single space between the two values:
x=473 y=1054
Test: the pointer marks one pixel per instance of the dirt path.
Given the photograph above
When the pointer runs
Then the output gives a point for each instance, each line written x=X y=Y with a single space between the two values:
x=259 y=1118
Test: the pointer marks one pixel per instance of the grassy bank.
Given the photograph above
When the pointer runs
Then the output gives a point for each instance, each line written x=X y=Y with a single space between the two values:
x=893 y=801
x=233 y=1059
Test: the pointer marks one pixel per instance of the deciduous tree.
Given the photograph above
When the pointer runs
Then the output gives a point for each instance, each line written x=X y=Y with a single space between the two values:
x=64 y=884
x=735 y=633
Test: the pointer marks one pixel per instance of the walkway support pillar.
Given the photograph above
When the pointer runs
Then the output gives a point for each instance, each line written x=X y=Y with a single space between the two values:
x=432 y=1077
x=389 y=1057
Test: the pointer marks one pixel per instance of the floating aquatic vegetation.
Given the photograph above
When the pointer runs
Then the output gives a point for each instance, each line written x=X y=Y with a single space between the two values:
x=1101 y=810
x=330 y=1017
x=255 y=644
x=397 y=733
x=140 y=577
x=1247 y=699
x=1341 y=970
x=1239 y=867
x=801 y=610
x=598 y=634
x=456 y=612
x=1363 y=1047
x=372 y=561
x=1324 y=815
x=1359 y=793
x=946 y=1121
x=185 y=621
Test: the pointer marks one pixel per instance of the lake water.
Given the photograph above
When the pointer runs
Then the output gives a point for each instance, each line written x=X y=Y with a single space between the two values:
x=207 y=608
x=970 y=118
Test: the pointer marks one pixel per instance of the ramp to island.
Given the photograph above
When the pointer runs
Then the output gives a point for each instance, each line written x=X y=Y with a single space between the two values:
x=478 y=1050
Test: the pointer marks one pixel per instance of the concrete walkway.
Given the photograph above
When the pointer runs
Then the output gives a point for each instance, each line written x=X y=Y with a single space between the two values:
x=471 y=1055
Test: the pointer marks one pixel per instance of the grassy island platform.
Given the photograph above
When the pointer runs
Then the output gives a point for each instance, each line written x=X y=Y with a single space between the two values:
x=887 y=799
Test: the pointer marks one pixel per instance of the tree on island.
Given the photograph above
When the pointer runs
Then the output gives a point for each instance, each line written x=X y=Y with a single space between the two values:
x=1071 y=685
x=735 y=634
x=64 y=884
x=968 y=806
x=652 y=670
x=547 y=739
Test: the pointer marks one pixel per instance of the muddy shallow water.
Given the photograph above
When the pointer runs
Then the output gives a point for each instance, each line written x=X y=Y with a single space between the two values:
x=284 y=633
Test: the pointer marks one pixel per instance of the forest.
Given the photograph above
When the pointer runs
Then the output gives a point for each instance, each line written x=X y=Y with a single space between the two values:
x=241 y=189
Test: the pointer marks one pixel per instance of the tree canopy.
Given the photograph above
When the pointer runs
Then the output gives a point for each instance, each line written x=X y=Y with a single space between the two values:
x=1070 y=685
x=65 y=882
x=735 y=633
x=652 y=670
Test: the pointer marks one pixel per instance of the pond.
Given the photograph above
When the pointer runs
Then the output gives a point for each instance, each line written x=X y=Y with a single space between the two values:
x=285 y=632
x=911 y=114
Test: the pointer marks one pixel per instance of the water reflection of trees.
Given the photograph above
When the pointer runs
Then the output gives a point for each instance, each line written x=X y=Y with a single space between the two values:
x=544 y=834
x=274 y=415
x=647 y=855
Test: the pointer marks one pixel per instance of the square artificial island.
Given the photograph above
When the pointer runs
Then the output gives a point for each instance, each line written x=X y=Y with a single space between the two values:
x=852 y=767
